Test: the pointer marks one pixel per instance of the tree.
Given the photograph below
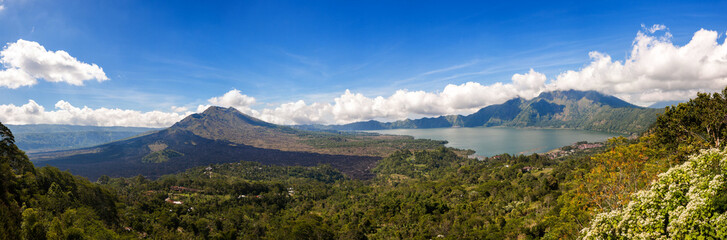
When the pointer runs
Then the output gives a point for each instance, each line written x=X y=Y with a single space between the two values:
x=10 y=154
x=701 y=122
x=104 y=179
x=13 y=162
x=32 y=225
x=617 y=173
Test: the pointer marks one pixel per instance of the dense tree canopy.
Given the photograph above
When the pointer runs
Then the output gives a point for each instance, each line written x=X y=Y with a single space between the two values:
x=47 y=203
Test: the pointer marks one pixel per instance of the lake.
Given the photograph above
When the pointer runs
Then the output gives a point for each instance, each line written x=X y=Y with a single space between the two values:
x=490 y=141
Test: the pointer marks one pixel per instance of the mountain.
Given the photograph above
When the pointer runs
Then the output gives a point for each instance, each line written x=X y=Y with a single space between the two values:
x=224 y=135
x=228 y=124
x=588 y=110
x=664 y=104
x=51 y=137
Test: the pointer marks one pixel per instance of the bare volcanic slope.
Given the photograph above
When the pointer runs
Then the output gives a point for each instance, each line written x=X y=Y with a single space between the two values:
x=223 y=135
x=228 y=124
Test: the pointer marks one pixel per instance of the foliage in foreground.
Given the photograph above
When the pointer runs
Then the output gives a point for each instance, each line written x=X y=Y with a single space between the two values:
x=45 y=203
x=687 y=202
x=659 y=212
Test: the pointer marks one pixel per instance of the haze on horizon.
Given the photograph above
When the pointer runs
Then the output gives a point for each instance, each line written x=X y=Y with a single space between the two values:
x=150 y=64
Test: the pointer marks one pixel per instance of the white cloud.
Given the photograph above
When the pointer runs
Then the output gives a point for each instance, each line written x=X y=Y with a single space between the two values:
x=26 y=61
x=656 y=70
x=654 y=28
x=179 y=109
x=350 y=107
x=530 y=84
x=201 y=108
x=234 y=99
x=15 y=78
x=65 y=113
x=297 y=112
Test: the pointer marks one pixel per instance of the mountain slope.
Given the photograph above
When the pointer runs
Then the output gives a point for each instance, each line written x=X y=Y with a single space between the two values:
x=223 y=135
x=589 y=110
x=664 y=104
x=228 y=124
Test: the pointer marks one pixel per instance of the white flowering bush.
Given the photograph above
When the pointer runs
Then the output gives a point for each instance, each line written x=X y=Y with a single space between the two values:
x=687 y=202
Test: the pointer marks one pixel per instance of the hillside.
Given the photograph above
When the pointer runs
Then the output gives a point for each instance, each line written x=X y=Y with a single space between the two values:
x=223 y=135
x=588 y=110
x=52 y=137
x=34 y=200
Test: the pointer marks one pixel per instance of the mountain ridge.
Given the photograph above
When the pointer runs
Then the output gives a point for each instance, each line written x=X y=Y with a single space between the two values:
x=587 y=110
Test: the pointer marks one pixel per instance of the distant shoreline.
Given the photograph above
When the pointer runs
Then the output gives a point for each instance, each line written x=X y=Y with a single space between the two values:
x=492 y=141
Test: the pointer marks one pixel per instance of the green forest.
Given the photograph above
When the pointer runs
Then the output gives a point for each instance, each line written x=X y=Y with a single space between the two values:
x=667 y=183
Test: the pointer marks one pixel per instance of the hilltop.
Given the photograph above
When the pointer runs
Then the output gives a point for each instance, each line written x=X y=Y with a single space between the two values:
x=588 y=110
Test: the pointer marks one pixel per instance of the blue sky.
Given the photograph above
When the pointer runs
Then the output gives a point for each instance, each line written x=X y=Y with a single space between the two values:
x=182 y=53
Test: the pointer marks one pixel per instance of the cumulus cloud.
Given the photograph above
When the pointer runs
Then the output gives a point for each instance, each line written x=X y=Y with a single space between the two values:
x=654 y=28
x=529 y=84
x=233 y=98
x=15 y=78
x=65 y=113
x=26 y=61
x=297 y=112
x=656 y=69
x=179 y=109
x=350 y=107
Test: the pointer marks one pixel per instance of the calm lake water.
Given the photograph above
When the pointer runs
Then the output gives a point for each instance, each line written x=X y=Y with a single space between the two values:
x=490 y=141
